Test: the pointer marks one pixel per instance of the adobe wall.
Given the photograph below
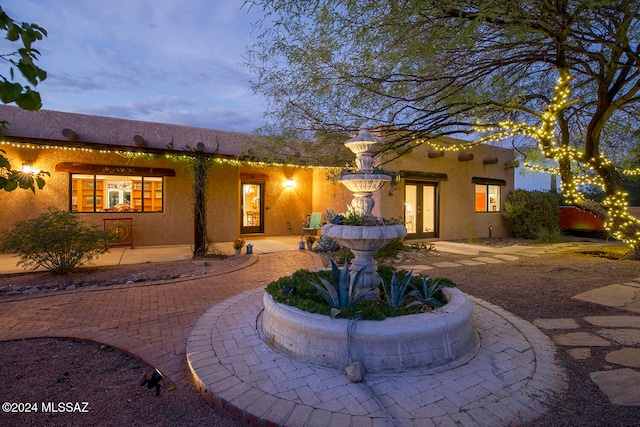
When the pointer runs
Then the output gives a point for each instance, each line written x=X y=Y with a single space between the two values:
x=456 y=194
x=285 y=208
x=172 y=226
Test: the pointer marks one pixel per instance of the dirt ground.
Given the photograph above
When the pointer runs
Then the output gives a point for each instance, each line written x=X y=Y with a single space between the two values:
x=530 y=287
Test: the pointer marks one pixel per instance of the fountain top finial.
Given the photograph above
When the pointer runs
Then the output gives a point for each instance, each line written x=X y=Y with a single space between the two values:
x=364 y=135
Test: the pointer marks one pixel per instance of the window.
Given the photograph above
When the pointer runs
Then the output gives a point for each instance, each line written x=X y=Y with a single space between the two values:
x=487 y=198
x=116 y=193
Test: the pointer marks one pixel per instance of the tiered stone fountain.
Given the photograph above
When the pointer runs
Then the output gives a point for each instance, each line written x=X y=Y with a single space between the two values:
x=437 y=340
x=364 y=241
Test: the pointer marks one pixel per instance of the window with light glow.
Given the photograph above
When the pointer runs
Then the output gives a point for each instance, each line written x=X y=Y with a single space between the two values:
x=487 y=198
x=115 y=193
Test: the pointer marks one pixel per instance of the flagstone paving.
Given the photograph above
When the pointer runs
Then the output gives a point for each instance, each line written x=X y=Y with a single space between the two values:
x=621 y=386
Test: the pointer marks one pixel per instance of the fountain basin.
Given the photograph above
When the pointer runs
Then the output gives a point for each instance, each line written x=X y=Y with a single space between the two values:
x=364 y=238
x=438 y=340
x=364 y=183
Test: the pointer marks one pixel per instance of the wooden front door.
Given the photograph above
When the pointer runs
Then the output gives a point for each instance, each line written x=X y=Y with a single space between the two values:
x=252 y=207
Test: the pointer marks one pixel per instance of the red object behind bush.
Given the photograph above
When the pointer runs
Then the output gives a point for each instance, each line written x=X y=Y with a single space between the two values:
x=573 y=218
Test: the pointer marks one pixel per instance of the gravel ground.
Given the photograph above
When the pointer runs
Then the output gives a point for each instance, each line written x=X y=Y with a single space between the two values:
x=52 y=370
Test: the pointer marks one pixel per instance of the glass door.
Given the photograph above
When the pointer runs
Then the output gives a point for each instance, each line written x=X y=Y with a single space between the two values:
x=252 y=207
x=420 y=209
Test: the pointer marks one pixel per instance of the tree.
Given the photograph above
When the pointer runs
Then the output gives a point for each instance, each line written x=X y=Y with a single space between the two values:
x=23 y=95
x=559 y=79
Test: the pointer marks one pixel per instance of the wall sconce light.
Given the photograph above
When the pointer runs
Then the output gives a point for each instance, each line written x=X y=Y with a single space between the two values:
x=289 y=183
x=28 y=167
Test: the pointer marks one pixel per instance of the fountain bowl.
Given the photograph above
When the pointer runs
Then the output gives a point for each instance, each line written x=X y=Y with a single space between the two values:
x=433 y=341
x=364 y=238
x=364 y=182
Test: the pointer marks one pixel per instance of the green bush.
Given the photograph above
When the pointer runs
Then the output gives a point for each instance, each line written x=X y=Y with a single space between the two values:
x=326 y=244
x=391 y=249
x=551 y=235
x=56 y=241
x=527 y=212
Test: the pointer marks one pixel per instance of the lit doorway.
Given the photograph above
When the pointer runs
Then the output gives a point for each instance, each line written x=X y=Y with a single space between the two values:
x=421 y=209
x=252 y=207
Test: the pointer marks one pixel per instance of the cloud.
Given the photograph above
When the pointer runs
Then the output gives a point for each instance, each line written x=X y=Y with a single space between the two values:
x=180 y=111
x=172 y=60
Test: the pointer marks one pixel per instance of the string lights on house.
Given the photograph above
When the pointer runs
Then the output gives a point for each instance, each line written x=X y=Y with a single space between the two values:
x=150 y=156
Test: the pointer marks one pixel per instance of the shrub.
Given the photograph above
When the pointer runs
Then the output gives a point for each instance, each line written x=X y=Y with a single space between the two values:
x=343 y=255
x=391 y=249
x=326 y=244
x=527 y=212
x=551 y=235
x=56 y=241
x=471 y=235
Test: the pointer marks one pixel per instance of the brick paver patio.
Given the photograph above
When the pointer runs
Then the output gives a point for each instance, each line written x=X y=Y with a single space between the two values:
x=151 y=322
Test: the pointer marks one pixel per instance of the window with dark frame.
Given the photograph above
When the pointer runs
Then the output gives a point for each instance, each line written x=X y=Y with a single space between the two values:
x=116 y=193
x=487 y=198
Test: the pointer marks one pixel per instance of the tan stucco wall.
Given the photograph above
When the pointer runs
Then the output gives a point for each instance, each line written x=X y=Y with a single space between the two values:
x=285 y=208
x=172 y=226
x=456 y=194
x=222 y=203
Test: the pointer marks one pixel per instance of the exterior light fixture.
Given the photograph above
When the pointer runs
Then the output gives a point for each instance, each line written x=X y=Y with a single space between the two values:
x=28 y=167
x=289 y=183
x=153 y=381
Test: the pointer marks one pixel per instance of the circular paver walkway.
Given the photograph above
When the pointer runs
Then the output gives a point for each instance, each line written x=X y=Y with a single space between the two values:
x=512 y=379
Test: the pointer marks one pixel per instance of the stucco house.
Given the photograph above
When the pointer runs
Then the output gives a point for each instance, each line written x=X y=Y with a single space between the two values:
x=108 y=169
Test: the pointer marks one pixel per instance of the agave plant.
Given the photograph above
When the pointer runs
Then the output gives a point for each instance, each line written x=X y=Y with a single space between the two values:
x=341 y=292
x=396 y=290
x=425 y=295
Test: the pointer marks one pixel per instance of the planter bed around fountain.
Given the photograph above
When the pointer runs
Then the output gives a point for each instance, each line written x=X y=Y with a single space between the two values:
x=437 y=340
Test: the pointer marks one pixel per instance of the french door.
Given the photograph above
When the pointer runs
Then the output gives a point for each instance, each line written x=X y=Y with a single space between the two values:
x=421 y=209
x=252 y=207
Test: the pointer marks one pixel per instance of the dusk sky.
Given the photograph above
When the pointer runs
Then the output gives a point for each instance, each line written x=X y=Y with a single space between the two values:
x=163 y=61
x=166 y=61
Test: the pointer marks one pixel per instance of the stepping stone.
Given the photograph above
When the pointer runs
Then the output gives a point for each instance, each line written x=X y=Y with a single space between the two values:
x=621 y=386
x=418 y=267
x=622 y=336
x=610 y=296
x=506 y=257
x=446 y=264
x=488 y=260
x=629 y=357
x=556 y=323
x=580 y=339
x=413 y=267
x=615 y=321
x=470 y=262
x=634 y=284
x=580 y=353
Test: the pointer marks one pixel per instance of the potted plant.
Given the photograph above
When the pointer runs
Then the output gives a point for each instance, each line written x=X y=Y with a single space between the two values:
x=237 y=245
x=310 y=241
